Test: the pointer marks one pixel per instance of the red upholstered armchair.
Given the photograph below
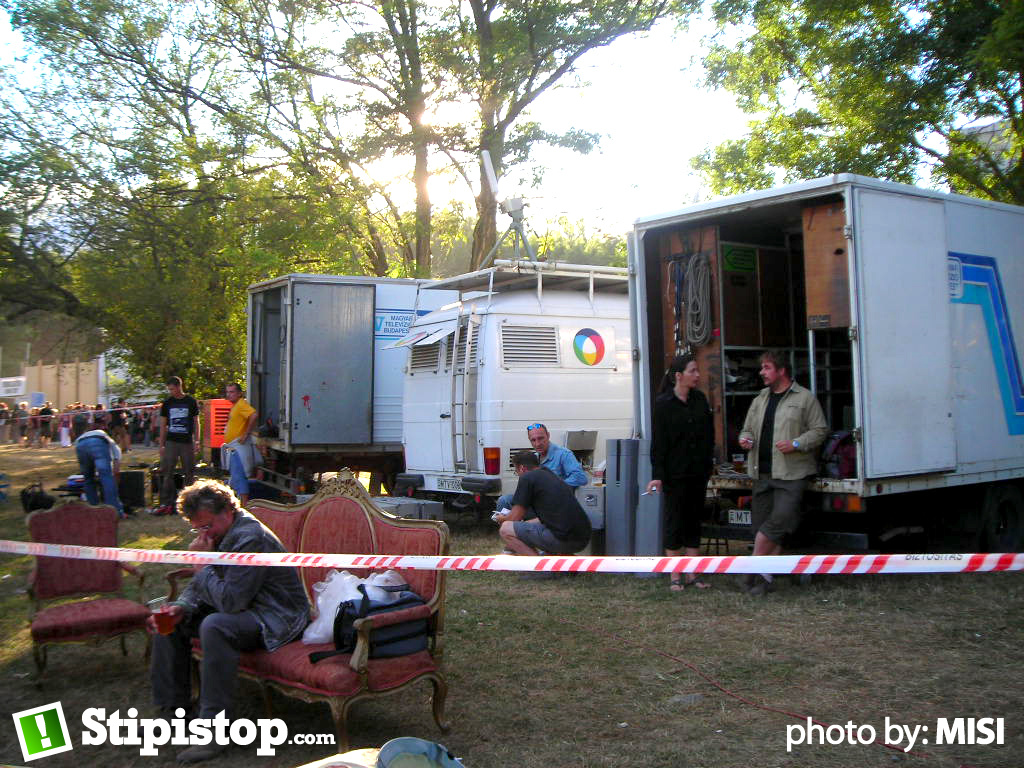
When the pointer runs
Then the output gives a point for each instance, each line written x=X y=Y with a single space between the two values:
x=87 y=620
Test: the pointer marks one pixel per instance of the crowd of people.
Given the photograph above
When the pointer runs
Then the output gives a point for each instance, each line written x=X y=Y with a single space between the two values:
x=38 y=427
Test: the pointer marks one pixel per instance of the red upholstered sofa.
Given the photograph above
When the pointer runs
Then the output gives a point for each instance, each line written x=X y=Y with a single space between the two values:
x=342 y=518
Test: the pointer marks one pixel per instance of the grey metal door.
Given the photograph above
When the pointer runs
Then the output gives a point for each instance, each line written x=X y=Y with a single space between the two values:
x=331 y=392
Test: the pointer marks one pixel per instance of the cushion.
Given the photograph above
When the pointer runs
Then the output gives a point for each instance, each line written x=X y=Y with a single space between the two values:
x=88 y=618
x=336 y=525
x=333 y=676
x=285 y=523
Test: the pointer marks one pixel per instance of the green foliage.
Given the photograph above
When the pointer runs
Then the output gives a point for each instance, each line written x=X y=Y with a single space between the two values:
x=882 y=88
x=573 y=242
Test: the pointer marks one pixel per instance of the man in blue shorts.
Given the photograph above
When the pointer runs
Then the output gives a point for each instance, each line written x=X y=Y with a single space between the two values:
x=561 y=526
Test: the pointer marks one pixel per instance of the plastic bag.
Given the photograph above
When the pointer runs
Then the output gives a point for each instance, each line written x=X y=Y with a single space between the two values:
x=338 y=587
x=384 y=587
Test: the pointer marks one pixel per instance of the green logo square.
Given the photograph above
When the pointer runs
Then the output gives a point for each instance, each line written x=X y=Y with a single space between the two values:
x=42 y=731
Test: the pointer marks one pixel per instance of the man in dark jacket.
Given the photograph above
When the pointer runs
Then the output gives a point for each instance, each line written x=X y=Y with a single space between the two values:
x=231 y=608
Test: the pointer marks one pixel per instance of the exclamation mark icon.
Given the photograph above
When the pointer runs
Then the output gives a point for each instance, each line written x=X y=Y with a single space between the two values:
x=44 y=740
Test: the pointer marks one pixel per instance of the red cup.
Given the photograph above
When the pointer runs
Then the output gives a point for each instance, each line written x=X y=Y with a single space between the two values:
x=164 y=620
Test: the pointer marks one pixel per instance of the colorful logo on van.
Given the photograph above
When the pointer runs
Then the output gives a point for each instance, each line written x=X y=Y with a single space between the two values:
x=588 y=346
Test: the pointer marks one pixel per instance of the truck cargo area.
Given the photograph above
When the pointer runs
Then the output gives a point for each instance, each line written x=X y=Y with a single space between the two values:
x=778 y=280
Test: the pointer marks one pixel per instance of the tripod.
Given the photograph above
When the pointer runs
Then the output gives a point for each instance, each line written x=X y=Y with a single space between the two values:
x=512 y=207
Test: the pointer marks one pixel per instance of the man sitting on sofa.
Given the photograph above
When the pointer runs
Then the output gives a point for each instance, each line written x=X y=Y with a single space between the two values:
x=561 y=526
x=231 y=608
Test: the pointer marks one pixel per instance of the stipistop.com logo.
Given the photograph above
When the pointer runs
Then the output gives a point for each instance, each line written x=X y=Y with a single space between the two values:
x=42 y=731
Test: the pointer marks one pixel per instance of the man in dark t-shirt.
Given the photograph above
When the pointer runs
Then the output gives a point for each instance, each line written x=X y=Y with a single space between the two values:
x=561 y=527
x=179 y=440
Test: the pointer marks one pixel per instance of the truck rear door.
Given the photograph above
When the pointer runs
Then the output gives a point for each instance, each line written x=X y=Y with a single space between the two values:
x=331 y=393
x=905 y=353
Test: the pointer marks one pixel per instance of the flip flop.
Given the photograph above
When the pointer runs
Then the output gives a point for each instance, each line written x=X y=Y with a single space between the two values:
x=698 y=583
x=676 y=585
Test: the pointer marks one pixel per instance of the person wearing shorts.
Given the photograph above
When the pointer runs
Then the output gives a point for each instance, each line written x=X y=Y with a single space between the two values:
x=561 y=526
x=783 y=430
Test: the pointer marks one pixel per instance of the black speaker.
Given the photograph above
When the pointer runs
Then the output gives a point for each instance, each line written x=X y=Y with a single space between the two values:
x=132 y=488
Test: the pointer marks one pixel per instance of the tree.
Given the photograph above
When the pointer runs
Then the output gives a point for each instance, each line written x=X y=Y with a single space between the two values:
x=885 y=88
x=506 y=54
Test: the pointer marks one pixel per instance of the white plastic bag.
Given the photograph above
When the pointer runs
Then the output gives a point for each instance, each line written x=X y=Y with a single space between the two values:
x=338 y=587
x=384 y=587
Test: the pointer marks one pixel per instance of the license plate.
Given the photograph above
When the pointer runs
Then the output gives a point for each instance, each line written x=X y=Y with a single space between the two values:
x=739 y=517
x=449 y=483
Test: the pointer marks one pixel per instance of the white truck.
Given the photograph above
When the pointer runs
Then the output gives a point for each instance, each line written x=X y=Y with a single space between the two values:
x=536 y=343
x=898 y=307
x=319 y=369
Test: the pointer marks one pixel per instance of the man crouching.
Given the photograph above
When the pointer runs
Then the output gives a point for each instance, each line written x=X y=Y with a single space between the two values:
x=561 y=526
x=231 y=608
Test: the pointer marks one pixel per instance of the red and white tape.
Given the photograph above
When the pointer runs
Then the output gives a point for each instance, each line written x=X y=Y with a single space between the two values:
x=734 y=564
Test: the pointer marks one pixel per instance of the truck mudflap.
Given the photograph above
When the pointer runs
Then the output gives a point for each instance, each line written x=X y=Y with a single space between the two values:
x=481 y=484
x=407 y=483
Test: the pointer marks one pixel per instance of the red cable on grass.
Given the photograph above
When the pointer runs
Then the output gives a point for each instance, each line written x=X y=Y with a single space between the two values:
x=693 y=667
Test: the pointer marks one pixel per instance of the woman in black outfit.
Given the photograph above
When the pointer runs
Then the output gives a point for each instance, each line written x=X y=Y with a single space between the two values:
x=682 y=455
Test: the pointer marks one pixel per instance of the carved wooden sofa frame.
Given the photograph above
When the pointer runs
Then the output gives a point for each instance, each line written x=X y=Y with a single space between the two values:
x=342 y=518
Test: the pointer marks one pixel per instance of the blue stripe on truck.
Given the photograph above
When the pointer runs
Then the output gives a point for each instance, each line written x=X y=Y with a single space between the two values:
x=982 y=286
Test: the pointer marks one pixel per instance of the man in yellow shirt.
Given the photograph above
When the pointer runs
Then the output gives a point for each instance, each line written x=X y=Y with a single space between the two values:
x=241 y=422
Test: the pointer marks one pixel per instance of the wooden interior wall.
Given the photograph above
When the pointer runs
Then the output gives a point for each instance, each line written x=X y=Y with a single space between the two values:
x=709 y=357
x=828 y=283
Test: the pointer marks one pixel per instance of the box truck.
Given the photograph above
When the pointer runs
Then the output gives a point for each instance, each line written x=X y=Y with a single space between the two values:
x=328 y=392
x=525 y=343
x=900 y=307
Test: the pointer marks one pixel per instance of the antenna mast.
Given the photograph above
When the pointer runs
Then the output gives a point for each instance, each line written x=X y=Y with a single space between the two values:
x=512 y=207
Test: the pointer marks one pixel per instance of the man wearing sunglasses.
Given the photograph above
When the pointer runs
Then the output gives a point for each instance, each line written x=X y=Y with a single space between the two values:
x=560 y=461
x=231 y=608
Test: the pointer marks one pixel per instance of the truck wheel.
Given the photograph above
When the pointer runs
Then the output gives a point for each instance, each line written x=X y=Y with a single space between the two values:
x=1002 y=518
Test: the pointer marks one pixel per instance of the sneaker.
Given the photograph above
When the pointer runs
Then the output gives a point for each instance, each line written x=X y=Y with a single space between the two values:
x=762 y=587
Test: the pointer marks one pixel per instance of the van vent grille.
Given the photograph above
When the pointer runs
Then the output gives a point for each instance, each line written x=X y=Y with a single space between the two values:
x=529 y=345
x=474 y=332
x=424 y=358
x=512 y=452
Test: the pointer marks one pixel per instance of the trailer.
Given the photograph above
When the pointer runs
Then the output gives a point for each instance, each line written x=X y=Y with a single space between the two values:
x=327 y=389
x=897 y=307
x=526 y=342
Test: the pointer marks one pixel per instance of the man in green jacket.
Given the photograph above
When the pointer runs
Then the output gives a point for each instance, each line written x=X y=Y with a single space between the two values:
x=783 y=430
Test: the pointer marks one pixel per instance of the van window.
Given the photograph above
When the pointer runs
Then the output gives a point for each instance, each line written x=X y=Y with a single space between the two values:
x=424 y=358
x=471 y=338
x=529 y=345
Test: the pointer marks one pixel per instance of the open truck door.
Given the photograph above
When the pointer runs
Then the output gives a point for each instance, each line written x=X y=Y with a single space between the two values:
x=905 y=359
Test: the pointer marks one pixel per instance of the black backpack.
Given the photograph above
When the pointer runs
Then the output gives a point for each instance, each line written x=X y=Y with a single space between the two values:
x=34 y=497
x=396 y=640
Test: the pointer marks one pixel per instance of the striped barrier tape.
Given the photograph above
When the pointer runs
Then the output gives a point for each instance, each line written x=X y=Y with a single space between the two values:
x=730 y=564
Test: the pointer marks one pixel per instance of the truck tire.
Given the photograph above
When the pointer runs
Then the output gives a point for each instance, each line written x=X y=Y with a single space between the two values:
x=1002 y=518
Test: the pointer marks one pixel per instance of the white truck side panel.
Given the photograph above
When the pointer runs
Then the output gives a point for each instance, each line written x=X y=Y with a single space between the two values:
x=904 y=330
x=986 y=272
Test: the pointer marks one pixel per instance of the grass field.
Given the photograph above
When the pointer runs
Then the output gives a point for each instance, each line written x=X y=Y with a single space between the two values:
x=603 y=671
